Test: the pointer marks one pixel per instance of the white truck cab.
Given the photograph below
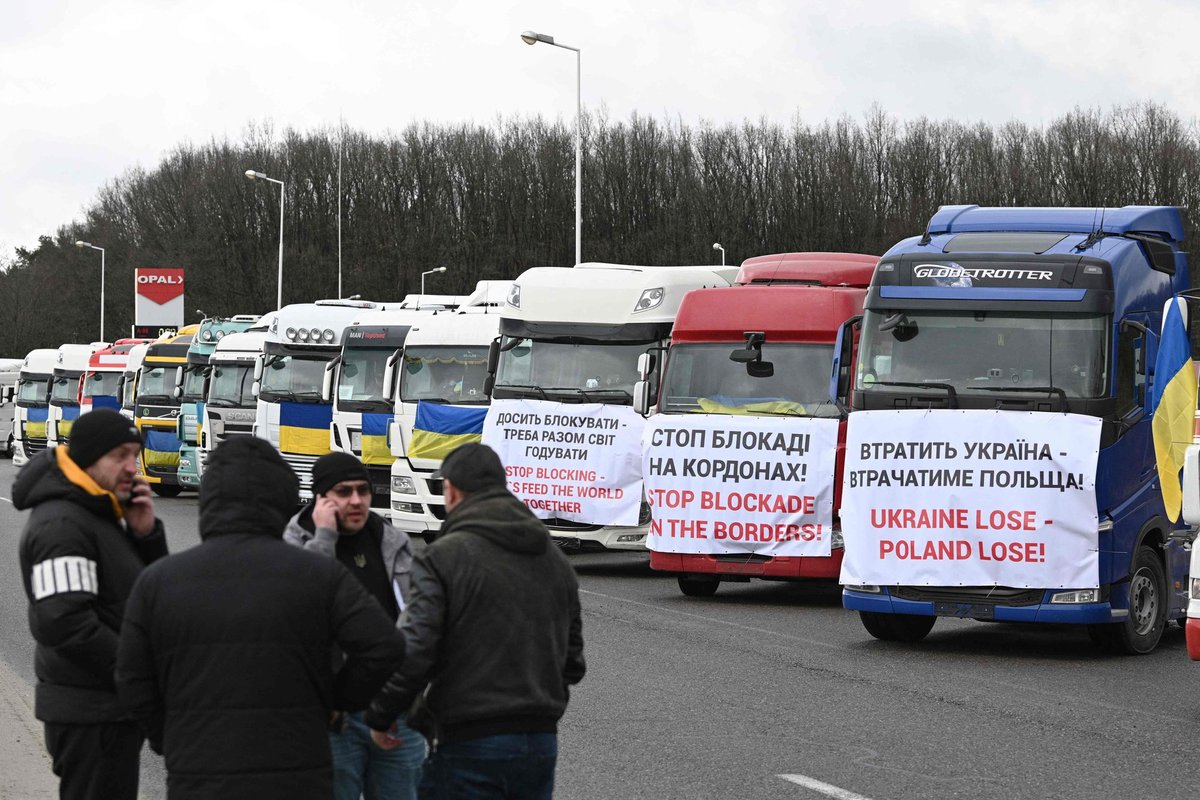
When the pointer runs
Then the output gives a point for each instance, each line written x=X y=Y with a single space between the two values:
x=229 y=405
x=66 y=389
x=10 y=371
x=33 y=404
x=575 y=335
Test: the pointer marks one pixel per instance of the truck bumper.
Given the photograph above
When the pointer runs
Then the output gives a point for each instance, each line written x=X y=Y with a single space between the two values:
x=604 y=538
x=1064 y=613
x=777 y=568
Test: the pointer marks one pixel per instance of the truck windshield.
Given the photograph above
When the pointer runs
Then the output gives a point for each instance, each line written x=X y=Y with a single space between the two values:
x=156 y=384
x=230 y=386
x=101 y=384
x=985 y=351
x=599 y=371
x=702 y=377
x=360 y=380
x=444 y=374
x=293 y=378
x=193 y=383
x=65 y=389
x=33 y=391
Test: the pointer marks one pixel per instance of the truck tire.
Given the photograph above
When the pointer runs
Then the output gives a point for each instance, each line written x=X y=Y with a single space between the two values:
x=10 y=448
x=1140 y=632
x=166 y=489
x=694 y=586
x=897 y=627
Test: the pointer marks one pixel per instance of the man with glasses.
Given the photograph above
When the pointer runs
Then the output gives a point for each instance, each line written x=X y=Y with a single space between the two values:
x=339 y=523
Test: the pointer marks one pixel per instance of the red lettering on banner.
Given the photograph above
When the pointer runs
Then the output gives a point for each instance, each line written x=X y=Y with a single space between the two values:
x=159 y=285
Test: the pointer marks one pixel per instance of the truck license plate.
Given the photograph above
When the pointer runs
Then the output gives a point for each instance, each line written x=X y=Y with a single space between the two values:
x=965 y=610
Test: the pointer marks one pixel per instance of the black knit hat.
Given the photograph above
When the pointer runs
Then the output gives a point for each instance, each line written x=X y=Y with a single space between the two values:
x=97 y=432
x=333 y=468
x=472 y=467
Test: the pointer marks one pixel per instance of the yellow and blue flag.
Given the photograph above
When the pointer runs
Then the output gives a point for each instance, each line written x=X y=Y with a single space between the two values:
x=1174 y=406
x=160 y=447
x=35 y=422
x=374 y=439
x=70 y=413
x=439 y=429
x=304 y=428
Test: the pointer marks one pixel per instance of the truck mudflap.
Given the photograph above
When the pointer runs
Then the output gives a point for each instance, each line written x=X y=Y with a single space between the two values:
x=883 y=602
x=1192 y=633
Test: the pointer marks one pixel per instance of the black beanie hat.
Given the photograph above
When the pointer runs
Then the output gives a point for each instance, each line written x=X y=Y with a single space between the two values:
x=333 y=468
x=97 y=432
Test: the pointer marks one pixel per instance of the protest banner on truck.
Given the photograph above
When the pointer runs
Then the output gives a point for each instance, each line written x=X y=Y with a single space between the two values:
x=970 y=498
x=720 y=484
x=575 y=462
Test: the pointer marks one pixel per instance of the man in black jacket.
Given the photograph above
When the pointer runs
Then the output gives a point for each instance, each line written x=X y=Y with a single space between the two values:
x=91 y=531
x=225 y=654
x=494 y=639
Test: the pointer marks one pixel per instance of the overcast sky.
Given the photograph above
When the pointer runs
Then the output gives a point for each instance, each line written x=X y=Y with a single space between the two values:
x=92 y=88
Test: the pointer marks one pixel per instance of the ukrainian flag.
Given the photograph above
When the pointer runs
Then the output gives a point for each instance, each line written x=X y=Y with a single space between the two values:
x=161 y=447
x=304 y=428
x=69 y=415
x=35 y=423
x=720 y=404
x=374 y=439
x=1174 y=406
x=439 y=429
x=106 y=401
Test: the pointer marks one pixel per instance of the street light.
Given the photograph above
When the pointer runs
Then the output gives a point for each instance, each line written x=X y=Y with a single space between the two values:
x=101 y=249
x=717 y=246
x=252 y=175
x=531 y=38
x=423 y=274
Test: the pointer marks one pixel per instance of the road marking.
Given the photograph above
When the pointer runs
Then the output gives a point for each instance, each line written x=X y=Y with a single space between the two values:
x=827 y=789
x=5 y=499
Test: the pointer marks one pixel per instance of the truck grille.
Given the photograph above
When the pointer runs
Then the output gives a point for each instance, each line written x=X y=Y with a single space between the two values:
x=990 y=595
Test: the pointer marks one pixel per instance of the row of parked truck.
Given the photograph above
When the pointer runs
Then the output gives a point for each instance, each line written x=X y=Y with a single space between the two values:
x=1005 y=323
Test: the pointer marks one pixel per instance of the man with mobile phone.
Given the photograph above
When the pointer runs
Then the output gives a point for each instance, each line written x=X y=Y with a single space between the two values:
x=339 y=523
x=90 y=532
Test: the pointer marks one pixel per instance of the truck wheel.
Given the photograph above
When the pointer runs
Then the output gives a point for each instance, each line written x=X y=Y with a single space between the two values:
x=1138 y=633
x=10 y=448
x=698 y=587
x=897 y=627
x=166 y=490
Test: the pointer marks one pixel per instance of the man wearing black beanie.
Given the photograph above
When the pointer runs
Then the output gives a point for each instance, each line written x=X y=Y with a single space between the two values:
x=90 y=532
x=339 y=523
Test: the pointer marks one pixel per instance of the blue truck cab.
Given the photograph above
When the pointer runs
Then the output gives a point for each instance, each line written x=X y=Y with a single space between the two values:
x=1082 y=290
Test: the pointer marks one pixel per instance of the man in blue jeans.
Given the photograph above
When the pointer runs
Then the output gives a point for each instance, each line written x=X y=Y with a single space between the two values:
x=494 y=641
x=339 y=523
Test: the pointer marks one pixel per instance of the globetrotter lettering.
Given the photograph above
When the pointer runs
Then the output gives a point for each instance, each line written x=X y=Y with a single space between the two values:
x=983 y=273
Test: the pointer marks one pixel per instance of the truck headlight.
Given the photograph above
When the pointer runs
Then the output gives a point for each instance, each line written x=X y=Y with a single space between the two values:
x=1195 y=592
x=402 y=484
x=1076 y=596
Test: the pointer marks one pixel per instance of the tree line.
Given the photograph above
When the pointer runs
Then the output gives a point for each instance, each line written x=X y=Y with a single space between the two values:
x=488 y=201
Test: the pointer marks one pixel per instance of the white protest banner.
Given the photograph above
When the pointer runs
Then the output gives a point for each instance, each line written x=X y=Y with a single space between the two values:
x=575 y=462
x=740 y=484
x=971 y=498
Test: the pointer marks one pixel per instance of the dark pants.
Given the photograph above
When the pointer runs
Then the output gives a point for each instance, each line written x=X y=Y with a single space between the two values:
x=512 y=766
x=95 y=762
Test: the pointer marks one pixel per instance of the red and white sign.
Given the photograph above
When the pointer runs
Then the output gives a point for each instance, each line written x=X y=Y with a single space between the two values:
x=158 y=296
x=971 y=498
x=575 y=462
x=723 y=484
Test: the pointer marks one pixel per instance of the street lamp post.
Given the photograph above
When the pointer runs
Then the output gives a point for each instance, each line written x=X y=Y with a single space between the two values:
x=253 y=175
x=531 y=38
x=101 y=249
x=717 y=246
x=423 y=274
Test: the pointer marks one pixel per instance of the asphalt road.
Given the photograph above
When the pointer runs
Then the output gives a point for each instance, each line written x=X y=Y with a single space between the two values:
x=774 y=691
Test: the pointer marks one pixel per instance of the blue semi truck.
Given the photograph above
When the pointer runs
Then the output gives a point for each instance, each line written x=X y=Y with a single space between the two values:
x=1040 y=317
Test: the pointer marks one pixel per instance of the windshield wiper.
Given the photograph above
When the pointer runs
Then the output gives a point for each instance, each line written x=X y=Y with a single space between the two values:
x=220 y=402
x=587 y=393
x=1038 y=389
x=951 y=395
x=522 y=386
x=153 y=399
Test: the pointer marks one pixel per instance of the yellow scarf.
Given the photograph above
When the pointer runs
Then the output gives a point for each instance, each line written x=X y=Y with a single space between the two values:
x=84 y=481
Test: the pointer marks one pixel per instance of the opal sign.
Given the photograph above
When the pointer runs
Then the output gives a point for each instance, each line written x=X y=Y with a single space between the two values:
x=158 y=301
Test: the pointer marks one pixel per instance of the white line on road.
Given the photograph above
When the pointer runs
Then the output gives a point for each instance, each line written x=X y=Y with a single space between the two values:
x=5 y=499
x=827 y=789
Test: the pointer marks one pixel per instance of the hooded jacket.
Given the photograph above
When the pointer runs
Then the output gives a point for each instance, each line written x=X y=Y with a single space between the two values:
x=493 y=630
x=224 y=657
x=394 y=545
x=79 y=563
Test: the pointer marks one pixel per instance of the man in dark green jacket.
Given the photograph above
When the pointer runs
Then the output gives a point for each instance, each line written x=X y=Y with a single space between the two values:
x=90 y=533
x=494 y=640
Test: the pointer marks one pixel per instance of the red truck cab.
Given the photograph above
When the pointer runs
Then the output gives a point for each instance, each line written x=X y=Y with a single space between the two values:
x=799 y=303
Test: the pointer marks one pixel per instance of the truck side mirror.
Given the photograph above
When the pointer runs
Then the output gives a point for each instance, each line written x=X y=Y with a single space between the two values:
x=258 y=371
x=493 y=358
x=177 y=392
x=645 y=365
x=389 y=377
x=641 y=395
x=843 y=361
x=327 y=381
x=1191 y=486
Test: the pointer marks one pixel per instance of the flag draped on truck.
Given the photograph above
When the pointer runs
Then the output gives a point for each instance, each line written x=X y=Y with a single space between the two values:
x=439 y=429
x=304 y=428
x=1174 y=406
x=374 y=439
